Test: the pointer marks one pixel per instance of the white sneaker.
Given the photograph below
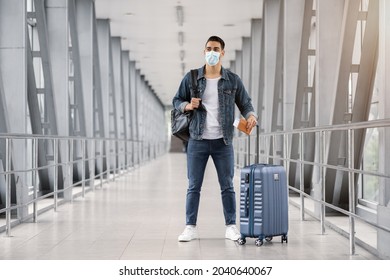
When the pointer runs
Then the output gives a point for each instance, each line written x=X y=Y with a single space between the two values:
x=232 y=233
x=189 y=233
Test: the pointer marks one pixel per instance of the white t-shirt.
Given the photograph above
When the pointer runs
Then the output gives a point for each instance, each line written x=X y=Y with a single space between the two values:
x=212 y=129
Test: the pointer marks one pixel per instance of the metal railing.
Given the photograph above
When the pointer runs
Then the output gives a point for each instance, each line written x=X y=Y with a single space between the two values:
x=244 y=156
x=20 y=174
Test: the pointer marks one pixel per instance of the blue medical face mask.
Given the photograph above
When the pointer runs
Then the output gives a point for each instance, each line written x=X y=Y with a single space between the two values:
x=212 y=58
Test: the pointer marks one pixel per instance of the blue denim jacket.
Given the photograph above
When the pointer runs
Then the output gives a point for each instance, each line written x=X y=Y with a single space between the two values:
x=230 y=91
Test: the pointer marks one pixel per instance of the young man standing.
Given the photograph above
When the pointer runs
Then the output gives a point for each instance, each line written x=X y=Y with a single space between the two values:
x=211 y=133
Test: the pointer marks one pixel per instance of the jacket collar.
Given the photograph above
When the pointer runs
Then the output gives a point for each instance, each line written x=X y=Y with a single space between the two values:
x=201 y=72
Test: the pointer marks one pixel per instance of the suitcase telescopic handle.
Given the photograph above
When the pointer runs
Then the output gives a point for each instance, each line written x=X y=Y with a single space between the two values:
x=257 y=145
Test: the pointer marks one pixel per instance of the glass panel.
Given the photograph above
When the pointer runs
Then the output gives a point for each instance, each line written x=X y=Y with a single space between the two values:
x=370 y=184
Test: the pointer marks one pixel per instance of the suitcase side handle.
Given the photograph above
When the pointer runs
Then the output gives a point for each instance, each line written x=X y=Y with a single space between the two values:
x=246 y=201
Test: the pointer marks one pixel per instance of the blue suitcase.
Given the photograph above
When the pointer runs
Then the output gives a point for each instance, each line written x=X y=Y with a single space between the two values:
x=263 y=203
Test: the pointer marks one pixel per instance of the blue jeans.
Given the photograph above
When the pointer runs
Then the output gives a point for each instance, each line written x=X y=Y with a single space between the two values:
x=198 y=153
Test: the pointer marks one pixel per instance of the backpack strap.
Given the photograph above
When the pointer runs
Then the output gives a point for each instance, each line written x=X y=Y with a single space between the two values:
x=194 y=83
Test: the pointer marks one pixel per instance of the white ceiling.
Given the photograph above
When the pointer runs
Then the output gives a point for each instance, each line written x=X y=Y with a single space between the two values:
x=150 y=28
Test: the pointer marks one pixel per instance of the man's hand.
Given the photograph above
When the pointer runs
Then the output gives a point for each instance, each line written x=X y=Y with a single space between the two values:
x=194 y=104
x=251 y=122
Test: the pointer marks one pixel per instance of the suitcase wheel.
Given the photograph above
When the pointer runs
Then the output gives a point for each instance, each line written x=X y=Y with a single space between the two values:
x=241 y=241
x=259 y=242
x=284 y=238
x=268 y=238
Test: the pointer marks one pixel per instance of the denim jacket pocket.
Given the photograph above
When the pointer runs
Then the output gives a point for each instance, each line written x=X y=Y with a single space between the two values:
x=228 y=97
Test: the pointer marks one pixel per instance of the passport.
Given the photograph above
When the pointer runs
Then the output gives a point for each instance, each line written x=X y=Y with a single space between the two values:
x=241 y=125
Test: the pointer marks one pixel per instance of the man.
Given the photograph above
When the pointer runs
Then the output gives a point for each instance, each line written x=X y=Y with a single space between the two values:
x=211 y=133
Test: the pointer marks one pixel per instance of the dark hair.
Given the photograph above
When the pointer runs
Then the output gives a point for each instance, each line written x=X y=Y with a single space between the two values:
x=216 y=39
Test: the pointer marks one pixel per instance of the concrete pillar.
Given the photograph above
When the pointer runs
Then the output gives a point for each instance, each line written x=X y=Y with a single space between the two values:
x=84 y=20
x=246 y=63
x=271 y=24
x=13 y=72
x=119 y=96
x=126 y=95
x=293 y=25
x=105 y=62
x=256 y=36
x=133 y=111
x=329 y=17
x=57 y=25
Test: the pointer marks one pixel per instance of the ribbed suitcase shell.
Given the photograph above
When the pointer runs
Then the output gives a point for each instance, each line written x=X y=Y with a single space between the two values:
x=263 y=202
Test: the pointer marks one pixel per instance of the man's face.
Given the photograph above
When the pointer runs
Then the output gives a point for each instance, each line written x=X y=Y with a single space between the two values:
x=214 y=46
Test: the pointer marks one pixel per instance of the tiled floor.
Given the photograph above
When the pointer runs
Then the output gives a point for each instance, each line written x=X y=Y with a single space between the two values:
x=141 y=214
